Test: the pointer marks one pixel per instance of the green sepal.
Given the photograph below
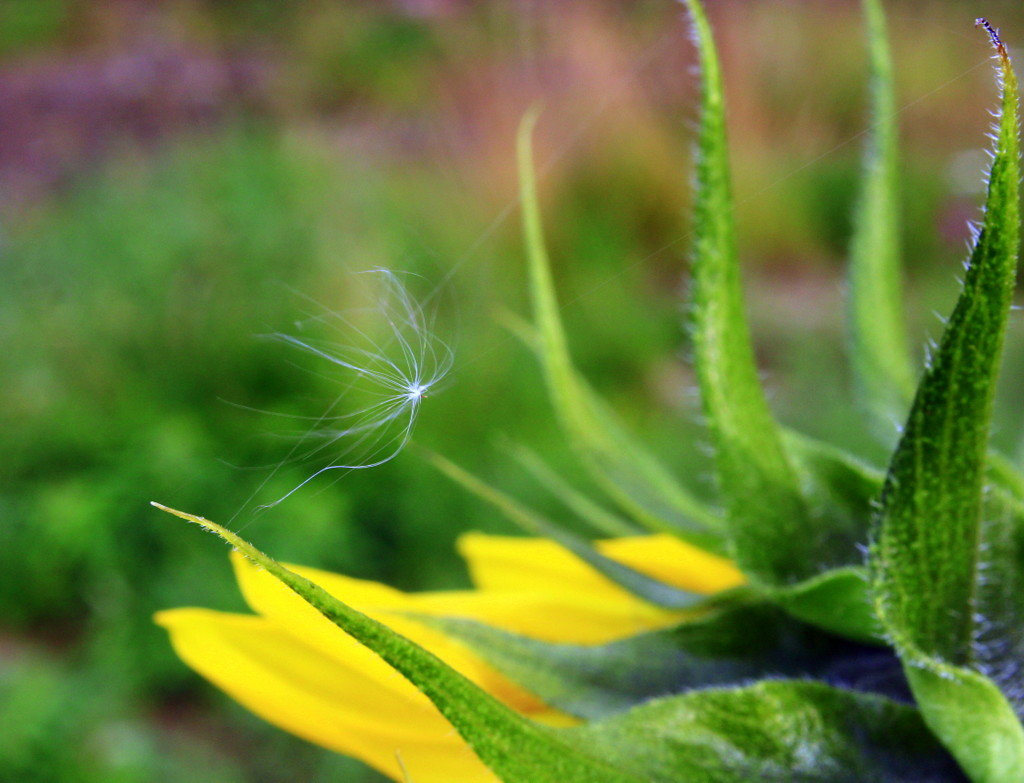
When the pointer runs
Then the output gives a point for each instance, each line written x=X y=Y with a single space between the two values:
x=838 y=601
x=710 y=537
x=972 y=717
x=780 y=731
x=882 y=371
x=932 y=564
x=774 y=539
x=927 y=553
x=730 y=646
x=841 y=491
x=622 y=466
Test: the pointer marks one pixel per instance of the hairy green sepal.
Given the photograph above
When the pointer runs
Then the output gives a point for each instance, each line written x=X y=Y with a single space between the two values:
x=624 y=468
x=733 y=645
x=881 y=364
x=933 y=570
x=775 y=539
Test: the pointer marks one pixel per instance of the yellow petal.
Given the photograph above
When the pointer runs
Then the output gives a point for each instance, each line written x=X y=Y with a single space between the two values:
x=674 y=562
x=347 y=703
x=270 y=598
x=559 y=616
x=537 y=564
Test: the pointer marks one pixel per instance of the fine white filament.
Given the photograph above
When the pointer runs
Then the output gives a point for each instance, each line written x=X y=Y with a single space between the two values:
x=386 y=362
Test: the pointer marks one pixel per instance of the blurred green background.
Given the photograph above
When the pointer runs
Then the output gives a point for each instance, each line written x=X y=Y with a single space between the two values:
x=175 y=175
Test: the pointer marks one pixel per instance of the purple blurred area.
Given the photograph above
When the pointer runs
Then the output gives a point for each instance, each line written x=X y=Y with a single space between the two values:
x=130 y=80
x=83 y=81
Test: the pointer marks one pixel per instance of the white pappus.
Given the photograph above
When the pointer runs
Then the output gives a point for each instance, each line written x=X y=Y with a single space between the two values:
x=387 y=359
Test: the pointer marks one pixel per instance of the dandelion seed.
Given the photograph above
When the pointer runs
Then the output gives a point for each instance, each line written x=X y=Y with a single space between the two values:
x=386 y=359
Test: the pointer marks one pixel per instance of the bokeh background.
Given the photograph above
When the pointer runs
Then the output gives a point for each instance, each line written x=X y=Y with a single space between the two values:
x=175 y=176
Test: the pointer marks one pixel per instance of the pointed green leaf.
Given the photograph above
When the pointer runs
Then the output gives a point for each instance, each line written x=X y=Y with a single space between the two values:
x=517 y=749
x=930 y=559
x=882 y=369
x=773 y=731
x=630 y=579
x=775 y=539
x=732 y=646
x=926 y=554
x=634 y=478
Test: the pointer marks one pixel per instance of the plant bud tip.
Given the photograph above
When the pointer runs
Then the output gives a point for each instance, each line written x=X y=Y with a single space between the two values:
x=981 y=21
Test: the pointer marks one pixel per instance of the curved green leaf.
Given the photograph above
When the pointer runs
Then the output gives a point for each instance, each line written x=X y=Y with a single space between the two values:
x=973 y=719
